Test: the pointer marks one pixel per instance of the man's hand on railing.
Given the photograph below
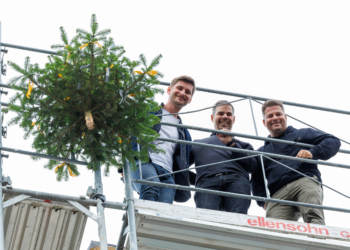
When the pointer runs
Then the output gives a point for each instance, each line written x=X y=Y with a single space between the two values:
x=225 y=138
x=304 y=154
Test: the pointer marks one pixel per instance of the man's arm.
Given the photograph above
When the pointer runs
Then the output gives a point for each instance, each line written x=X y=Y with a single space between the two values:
x=326 y=145
x=249 y=164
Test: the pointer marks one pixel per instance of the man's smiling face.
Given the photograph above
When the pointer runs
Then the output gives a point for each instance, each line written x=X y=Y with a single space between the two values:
x=275 y=120
x=223 y=118
x=181 y=93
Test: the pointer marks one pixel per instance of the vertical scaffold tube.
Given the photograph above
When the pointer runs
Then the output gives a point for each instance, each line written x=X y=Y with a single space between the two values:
x=2 y=234
x=264 y=176
x=251 y=109
x=100 y=209
x=130 y=203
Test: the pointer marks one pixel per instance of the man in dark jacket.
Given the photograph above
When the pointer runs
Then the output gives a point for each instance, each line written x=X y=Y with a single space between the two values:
x=229 y=176
x=283 y=183
x=176 y=156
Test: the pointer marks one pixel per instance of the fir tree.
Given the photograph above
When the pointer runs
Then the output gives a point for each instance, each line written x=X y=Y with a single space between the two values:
x=88 y=102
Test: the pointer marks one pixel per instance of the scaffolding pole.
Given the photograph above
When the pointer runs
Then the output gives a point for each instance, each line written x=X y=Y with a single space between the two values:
x=252 y=152
x=100 y=209
x=265 y=99
x=260 y=138
x=243 y=196
x=130 y=203
x=2 y=233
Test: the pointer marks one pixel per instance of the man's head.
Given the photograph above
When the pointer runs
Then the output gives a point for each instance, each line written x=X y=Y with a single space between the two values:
x=275 y=119
x=181 y=90
x=223 y=115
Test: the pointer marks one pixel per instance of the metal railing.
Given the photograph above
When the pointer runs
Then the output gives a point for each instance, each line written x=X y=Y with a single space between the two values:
x=129 y=205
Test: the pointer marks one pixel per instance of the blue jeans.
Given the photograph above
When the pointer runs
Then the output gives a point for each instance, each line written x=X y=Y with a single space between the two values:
x=154 y=193
x=232 y=183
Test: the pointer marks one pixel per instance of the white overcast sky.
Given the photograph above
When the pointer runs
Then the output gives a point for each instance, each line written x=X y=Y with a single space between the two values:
x=296 y=51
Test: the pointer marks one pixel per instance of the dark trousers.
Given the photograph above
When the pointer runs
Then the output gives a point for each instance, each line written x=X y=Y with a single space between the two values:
x=233 y=183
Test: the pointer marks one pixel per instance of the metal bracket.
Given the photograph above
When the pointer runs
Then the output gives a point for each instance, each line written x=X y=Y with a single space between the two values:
x=15 y=200
x=4 y=155
x=90 y=192
x=4 y=92
x=4 y=131
x=3 y=69
x=4 y=50
x=126 y=230
x=6 y=180
x=84 y=210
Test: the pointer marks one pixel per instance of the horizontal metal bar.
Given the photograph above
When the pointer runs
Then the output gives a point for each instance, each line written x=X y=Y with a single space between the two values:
x=51 y=157
x=265 y=99
x=310 y=178
x=5 y=86
x=61 y=198
x=246 y=136
x=197 y=167
x=28 y=48
x=251 y=152
x=243 y=196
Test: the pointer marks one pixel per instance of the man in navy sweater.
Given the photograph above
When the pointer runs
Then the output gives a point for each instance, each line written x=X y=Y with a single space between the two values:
x=283 y=183
x=225 y=175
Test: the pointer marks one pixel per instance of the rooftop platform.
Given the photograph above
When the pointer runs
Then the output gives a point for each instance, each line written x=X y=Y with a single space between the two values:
x=164 y=226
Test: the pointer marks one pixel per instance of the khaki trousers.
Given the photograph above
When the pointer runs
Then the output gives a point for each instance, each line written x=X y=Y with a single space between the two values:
x=302 y=190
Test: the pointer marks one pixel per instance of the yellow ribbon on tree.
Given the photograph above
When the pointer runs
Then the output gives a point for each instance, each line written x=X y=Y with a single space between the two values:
x=83 y=135
x=69 y=169
x=59 y=166
x=151 y=73
x=71 y=172
x=30 y=88
x=65 y=99
x=41 y=132
x=86 y=44
x=60 y=75
x=33 y=123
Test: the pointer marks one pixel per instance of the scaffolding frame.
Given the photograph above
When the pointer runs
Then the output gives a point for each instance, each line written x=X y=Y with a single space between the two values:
x=129 y=225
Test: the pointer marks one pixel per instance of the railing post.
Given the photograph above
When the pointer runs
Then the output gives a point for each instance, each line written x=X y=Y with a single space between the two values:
x=130 y=203
x=100 y=209
x=251 y=109
x=139 y=161
x=263 y=170
x=2 y=233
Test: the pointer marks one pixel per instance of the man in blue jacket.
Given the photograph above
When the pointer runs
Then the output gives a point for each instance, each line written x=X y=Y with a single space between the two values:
x=225 y=175
x=283 y=183
x=176 y=156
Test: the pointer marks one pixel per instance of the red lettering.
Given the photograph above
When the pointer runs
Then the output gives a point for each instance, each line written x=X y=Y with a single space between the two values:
x=309 y=228
x=263 y=221
x=345 y=234
x=291 y=227
x=305 y=229
x=270 y=224
x=326 y=230
x=252 y=222
x=259 y=220
x=280 y=223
